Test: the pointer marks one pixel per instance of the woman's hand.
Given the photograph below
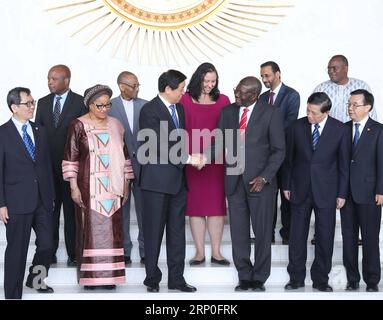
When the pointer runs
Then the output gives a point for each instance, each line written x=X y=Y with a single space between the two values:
x=126 y=192
x=76 y=197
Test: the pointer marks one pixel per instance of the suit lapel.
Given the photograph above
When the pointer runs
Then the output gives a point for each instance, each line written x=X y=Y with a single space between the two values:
x=280 y=96
x=326 y=132
x=181 y=115
x=65 y=107
x=136 y=117
x=364 y=136
x=18 y=140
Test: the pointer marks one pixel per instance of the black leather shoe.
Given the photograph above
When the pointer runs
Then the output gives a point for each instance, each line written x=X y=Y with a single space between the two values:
x=258 y=286
x=153 y=288
x=273 y=239
x=293 y=285
x=222 y=262
x=352 y=286
x=54 y=259
x=183 y=287
x=243 y=285
x=252 y=239
x=44 y=288
x=313 y=241
x=71 y=262
x=108 y=287
x=372 y=288
x=324 y=287
x=127 y=260
x=195 y=262
x=142 y=260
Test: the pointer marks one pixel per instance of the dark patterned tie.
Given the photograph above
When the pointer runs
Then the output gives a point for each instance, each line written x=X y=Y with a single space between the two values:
x=315 y=135
x=57 y=111
x=28 y=142
x=356 y=136
x=271 y=98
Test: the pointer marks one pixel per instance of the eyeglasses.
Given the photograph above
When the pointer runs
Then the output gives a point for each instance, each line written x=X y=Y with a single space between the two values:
x=354 y=106
x=103 y=106
x=28 y=104
x=134 y=87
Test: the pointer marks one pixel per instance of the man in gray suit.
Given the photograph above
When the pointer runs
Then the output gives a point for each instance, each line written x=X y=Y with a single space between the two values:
x=127 y=108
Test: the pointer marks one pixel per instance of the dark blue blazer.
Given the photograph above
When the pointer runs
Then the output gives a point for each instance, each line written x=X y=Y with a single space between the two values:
x=366 y=169
x=23 y=181
x=287 y=102
x=161 y=175
x=324 y=171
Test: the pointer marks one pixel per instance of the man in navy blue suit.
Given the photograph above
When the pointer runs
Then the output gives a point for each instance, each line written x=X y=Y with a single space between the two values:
x=26 y=195
x=287 y=101
x=363 y=206
x=315 y=176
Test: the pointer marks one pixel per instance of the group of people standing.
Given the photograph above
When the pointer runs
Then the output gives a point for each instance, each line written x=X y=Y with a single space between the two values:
x=88 y=150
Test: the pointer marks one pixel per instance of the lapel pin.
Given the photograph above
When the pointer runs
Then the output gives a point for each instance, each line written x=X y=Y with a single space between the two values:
x=368 y=129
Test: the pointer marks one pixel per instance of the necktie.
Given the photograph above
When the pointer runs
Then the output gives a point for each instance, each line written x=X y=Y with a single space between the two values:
x=174 y=115
x=57 y=111
x=356 y=136
x=243 y=123
x=28 y=142
x=271 y=97
x=315 y=135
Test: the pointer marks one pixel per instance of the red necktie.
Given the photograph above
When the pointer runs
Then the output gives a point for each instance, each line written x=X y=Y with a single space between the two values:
x=271 y=98
x=243 y=123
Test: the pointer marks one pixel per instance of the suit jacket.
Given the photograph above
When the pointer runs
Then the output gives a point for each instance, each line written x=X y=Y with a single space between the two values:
x=130 y=137
x=73 y=108
x=160 y=174
x=23 y=181
x=324 y=171
x=287 y=102
x=264 y=146
x=366 y=168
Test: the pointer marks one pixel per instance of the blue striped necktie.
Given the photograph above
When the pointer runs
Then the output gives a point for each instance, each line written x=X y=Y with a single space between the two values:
x=174 y=115
x=315 y=135
x=28 y=142
x=356 y=136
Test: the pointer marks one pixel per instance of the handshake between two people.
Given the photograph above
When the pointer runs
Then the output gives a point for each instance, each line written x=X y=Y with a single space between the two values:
x=197 y=160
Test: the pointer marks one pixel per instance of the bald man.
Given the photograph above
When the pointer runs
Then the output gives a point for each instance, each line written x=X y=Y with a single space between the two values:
x=55 y=112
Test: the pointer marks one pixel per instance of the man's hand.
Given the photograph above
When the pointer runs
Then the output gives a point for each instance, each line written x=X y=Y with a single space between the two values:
x=379 y=199
x=257 y=184
x=76 y=197
x=126 y=191
x=340 y=203
x=4 y=214
x=286 y=193
x=197 y=160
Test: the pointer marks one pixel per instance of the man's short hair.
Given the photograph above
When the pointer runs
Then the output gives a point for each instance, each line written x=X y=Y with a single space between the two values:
x=367 y=96
x=321 y=99
x=171 y=78
x=14 y=97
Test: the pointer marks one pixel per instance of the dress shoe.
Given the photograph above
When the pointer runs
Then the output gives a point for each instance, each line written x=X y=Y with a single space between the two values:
x=153 y=288
x=273 y=239
x=71 y=262
x=127 y=260
x=293 y=285
x=222 y=262
x=258 y=286
x=195 y=262
x=252 y=239
x=103 y=287
x=313 y=241
x=243 y=285
x=372 y=288
x=352 y=286
x=324 y=287
x=54 y=259
x=142 y=260
x=43 y=289
x=183 y=287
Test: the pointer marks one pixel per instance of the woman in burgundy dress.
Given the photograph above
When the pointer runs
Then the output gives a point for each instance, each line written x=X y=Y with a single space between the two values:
x=206 y=205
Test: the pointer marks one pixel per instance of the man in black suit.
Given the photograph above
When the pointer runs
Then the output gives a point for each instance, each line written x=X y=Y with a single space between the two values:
x=363 y=206
x=315 y=176
x=254 y=144
x=26 y=195
x=55 y=112
x=287 y=101
x=127 y=108
x=163 y=183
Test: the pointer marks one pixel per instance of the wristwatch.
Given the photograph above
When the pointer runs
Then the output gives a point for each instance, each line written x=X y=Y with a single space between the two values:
x=264 y=180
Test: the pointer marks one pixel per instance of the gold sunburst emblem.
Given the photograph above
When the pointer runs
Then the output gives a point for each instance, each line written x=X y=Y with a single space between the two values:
x=167 y=31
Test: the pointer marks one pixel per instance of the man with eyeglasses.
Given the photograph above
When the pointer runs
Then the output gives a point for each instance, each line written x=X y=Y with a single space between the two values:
x=26 y=196
x=364 y=204
x=127 y=108
x=55 y=112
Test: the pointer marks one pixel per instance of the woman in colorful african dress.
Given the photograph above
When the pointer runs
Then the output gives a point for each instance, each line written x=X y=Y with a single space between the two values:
x=95 y=162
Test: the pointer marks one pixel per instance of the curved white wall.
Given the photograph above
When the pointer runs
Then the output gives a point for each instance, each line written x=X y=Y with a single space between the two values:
x=302 y=44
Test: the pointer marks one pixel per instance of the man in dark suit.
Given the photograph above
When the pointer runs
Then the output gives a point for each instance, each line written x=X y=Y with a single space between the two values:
x=55 y=112
x=163 y=183
x=254 y=144
x=315 y=176
x=26 y=196
x=363 y=206
x=287 y=101
x=127 y=108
